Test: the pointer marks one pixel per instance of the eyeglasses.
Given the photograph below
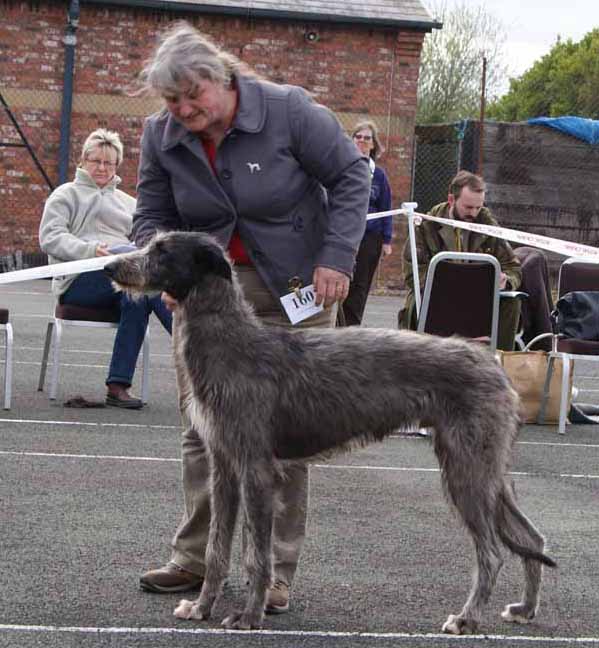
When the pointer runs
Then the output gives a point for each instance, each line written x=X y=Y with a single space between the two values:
x=366 y=138
x=99 y=163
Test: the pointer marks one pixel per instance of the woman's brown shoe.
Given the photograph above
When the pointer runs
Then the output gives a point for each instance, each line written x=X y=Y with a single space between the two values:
x=119 y=396
x=170 y=578
x=277 y=598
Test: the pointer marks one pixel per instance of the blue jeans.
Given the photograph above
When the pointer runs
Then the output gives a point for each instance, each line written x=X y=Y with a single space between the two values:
x=94 y=289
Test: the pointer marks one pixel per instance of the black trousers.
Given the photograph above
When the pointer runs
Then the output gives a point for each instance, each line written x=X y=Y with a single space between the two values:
x=369 y=253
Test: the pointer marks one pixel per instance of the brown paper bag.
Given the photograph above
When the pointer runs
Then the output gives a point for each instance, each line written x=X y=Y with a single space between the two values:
x=527 y=371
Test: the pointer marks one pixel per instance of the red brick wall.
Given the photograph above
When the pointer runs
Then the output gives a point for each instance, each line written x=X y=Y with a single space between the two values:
x=358 y=72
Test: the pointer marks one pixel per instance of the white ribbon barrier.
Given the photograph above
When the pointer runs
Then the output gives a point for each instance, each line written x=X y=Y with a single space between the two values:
x=566 y=248
x=57 y=269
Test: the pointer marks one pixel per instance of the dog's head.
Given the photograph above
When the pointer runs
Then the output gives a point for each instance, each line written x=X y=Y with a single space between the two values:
x=174 y=263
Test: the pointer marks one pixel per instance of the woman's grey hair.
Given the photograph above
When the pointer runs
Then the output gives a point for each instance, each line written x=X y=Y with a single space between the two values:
x=103 y=137
x=183 y=56
x=378 y=149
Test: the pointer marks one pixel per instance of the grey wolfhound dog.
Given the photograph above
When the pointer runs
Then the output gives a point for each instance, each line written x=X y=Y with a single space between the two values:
x=264 y=395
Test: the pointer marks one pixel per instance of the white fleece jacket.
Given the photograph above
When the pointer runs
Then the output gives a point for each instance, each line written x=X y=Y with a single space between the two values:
x=78 y=216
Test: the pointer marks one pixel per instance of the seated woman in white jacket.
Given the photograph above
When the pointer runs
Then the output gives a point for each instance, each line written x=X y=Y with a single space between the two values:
x=90 y=217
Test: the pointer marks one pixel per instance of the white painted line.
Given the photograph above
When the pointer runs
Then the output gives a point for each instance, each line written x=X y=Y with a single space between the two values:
x=85 y=366
x=415 y=437
x=375 y=468
x=64 y=364
x=23 y=453
x=83 y=351
x=59 y=455
x=29 y=316
x=429 y=636
x=92 y=424
x=399 y=469
x=558 y=444
x=178 y=427
x=23 y=292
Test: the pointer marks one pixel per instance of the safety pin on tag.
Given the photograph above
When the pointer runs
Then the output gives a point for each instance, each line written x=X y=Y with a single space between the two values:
x=295 y=285
x=300 y=303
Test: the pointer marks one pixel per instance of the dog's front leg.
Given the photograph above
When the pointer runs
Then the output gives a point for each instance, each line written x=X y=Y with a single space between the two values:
x=224 y=503
x=258 y=492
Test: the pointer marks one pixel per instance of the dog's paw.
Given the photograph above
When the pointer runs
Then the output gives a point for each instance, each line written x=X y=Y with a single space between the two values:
x=243 y=621
x=518 y=613
x=189 y=610
x=458 y=625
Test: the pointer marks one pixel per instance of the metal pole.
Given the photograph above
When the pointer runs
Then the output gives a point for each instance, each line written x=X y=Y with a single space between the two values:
x=481 y=123
x=410 y=207
x=70 y=41
x=25 y=143
x=413 y=170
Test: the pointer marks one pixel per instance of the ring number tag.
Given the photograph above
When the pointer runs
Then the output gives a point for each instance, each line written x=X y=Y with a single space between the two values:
x=300 y=304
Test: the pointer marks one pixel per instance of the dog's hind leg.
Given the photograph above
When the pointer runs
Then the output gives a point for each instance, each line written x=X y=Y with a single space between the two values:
x=489 y=562
x=224 y=504
x=517 y=531
x=258 y=494
x=471 y=492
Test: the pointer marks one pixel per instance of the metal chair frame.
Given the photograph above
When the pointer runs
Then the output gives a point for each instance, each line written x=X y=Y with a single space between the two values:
x=53 y=342
x=8 y=360
x=566 y=359
x=462 y=256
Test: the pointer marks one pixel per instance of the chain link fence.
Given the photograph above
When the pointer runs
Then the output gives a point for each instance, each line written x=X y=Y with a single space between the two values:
x=539 y=179
x=440 y=152
x=24 y=187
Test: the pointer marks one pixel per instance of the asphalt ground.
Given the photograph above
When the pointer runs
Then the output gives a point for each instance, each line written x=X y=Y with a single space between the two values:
x=89 y=499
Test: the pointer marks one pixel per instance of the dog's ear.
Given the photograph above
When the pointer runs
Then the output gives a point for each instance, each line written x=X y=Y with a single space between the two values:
x=209 y=259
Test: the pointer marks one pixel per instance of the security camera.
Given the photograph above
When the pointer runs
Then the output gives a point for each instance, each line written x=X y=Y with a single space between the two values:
x=311 y=36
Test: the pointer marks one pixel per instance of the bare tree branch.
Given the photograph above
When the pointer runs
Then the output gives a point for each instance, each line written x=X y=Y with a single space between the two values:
x=451 y=62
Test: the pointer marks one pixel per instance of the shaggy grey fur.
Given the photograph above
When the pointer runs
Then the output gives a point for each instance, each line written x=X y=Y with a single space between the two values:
x=262 y=396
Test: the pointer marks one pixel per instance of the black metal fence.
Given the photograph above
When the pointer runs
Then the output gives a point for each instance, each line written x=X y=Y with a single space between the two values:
x=440 y=152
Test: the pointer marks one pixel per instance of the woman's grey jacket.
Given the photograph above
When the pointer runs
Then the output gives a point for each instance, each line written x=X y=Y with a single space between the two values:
x=272 y=168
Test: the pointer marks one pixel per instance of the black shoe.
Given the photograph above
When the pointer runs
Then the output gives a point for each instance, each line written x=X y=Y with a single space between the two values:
x=580 y=414
x=127 y=402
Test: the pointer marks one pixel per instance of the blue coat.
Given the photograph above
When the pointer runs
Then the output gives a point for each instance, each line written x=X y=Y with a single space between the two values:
x=288 y=177
x=380 y=200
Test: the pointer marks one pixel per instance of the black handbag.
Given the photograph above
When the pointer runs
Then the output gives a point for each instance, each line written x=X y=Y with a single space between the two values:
x=576 y=315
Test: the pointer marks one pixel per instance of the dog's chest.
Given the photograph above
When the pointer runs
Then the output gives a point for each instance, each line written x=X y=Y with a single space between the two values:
x=201 y=419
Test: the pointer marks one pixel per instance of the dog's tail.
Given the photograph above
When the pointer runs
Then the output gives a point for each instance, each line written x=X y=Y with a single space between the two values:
x=517 y=532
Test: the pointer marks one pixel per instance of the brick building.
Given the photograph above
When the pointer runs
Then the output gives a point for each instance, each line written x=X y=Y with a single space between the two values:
x=69 y=66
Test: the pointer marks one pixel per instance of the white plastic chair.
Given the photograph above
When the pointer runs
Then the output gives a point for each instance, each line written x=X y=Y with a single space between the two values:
x=67 y=316
x=6 y=326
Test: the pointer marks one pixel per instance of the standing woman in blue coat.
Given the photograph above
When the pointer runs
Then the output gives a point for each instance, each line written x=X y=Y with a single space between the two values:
x=379 y=232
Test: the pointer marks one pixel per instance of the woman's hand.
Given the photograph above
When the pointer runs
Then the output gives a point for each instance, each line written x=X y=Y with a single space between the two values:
x=169 y=301
x=102 y=250
x=330 y=286
x=386 y=249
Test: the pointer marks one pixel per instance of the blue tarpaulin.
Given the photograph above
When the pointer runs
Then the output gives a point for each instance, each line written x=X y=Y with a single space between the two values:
x=580 y=127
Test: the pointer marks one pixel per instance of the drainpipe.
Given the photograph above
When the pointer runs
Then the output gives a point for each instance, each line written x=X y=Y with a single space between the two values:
x=70 y=41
